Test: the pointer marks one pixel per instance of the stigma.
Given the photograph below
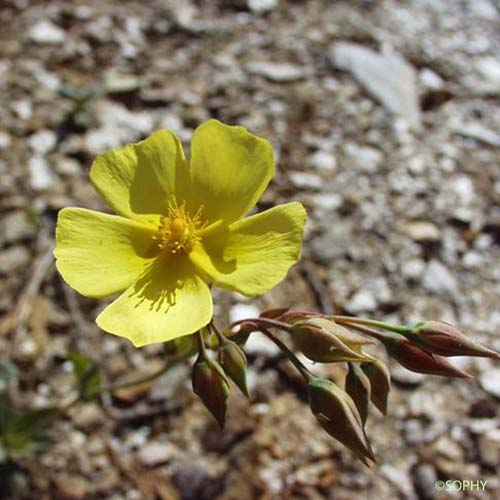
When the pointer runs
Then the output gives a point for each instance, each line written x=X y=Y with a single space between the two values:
x=179 y=230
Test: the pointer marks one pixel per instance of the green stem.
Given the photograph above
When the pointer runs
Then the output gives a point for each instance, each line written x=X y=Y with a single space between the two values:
x=401 y=329
x=218 y=333
x=289 y=354
x=381 y=336
x=201 y=344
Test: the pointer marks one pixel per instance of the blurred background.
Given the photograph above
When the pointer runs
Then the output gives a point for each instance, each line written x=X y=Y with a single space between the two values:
x=384 y=118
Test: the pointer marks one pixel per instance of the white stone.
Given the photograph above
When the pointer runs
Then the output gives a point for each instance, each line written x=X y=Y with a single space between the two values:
x=388 y=77
x=464 y=189
x=155 y=453
x=421 y=230
x=361 y=301
x=45 y=32
x=327 y=202
x=490 y=381
x=323 y=160
x=413 y=269
x=259 y=344
x=276 y=71
x=41 y=176
x=438 y=279
x=260 y=6
x=243 y=311
x=306 y=180
x=42 y=142
x=5 y=140
x=368 y=158
x=489 y=70
x=489 y=447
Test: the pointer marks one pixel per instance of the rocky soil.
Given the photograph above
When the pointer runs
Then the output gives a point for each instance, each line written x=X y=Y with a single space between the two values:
x=385 y=122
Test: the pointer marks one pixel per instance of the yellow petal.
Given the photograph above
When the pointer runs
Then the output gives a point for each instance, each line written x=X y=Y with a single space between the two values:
x=254 y=254
x=167 y=302
x=99 y=254
x=137 y=180
x=230 y=169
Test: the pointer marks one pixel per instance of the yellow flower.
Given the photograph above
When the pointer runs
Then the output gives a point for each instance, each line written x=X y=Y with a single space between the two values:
x=178 y=230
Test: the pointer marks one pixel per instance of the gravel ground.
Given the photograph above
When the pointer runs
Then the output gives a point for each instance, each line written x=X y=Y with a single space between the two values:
x=385 y=122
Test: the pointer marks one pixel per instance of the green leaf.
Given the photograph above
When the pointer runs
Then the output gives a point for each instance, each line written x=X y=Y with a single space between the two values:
x=5 y=413
x=86 y=373
x=8 y=370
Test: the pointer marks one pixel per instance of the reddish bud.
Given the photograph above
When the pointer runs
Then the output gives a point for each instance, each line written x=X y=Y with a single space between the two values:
x=357 y=385
x=446 y=340
x=211 y=385
x=274 y=313
x=415 y=359
x=380 y=383
x=339 y=417
x=324 y=341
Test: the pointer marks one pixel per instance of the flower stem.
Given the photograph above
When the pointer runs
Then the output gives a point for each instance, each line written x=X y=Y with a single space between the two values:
x=370 y=322
x=274 y=323
x=201 y=344
x=220 y=337
x=289 y=354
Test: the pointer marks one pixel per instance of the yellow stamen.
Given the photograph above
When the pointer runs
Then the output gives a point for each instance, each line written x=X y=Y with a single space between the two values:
x=179 y=230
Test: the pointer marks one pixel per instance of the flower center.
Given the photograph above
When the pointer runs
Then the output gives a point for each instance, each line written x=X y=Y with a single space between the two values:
x=179 y=230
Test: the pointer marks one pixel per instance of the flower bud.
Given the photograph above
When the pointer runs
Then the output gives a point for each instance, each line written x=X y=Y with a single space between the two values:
x=446 y=340
x=415 y=359
x=337 y=414
x=211 y=385
x=357 y=385
x=380 y=383
x=234 y=362
x=325 y=341
x=274 y=313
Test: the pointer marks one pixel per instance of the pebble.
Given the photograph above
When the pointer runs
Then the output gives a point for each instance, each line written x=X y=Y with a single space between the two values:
x=361 y=301
x=406 y=377
x=243 y=311
x=369 y=159
x=5 y=140
x=13 y=259
x=323 y=161
x=489 y=448
x=490 y=381
x=276 y=72
x=388 y=77
x=15 y=226
x=42 y=141
x=259 y=345
x=438 y=279
x=71 y=486
x=413 y=269
x=155 y=453
x=45 y=32
x=261 y=6
x=41 y=176
x=306 y=180
x=421 y=231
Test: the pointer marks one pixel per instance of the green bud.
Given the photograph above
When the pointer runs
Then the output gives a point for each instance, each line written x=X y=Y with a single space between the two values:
x=446 y=340
x=324 y=341
x=357 y=385
x=380 y=383
x=234 y=362
x=211 y=385
x=337 y=414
